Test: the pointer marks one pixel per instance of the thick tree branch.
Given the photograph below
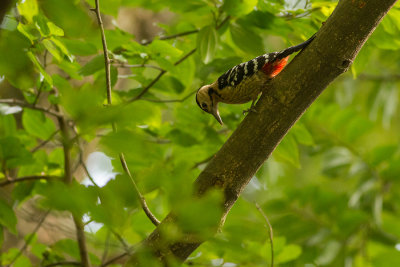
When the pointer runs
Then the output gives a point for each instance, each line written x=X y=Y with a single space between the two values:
x=284 y=100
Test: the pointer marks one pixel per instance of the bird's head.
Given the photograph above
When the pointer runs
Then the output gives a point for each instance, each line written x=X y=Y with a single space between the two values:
x=207 y=99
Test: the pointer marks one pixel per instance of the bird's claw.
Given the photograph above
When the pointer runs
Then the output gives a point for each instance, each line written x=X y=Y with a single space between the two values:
x=251 y=109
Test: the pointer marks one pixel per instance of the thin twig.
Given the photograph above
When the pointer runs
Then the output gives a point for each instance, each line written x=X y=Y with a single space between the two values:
x=168 y=37
x=107 y=61
x=116 y=258
x=170 y=100
x=271 y=233
x=68 y=178
x=44 y=142
x=61 y=263
x=144 y=91
x=106 y=246
x=203 y=161
x=158 y=77
x=29 y=239
x=143 y=203
x=17 y=102
x=122 y=65
x=122 y=241
x=105 y=51
x=80 y=234
x=28 y=178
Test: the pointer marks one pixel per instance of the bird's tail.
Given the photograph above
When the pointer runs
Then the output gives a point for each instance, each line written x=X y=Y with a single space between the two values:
x=293 y=49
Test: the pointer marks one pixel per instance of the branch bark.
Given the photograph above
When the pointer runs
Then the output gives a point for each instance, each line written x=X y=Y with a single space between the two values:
x=284 y=100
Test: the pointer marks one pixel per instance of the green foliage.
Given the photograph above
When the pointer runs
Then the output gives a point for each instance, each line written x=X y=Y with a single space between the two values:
x=330 y=189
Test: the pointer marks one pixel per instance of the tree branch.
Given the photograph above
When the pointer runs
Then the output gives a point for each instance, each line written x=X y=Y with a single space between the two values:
x=28 y=178
x=29 y=239
x=171 y=100
x=17 y=102
x=284 y=100
x=158 y=77
x=107 y=61
x=123 y=65
x=68 y=177
x=105 y=51
x=44 y=142
x=270 y=232
x=168 y=37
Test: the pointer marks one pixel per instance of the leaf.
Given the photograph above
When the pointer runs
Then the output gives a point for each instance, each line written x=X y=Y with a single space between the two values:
x=207 y=42
x=13 y=152
x=84 y=199
x=289 y=253
x=41 y=25
x=78 y=47
x=7 y=217
x=288 y=151
x=37 y=124
x=302 y=135
x=165 y=49
x=247 y=40
x=239 y=8
x=52 y=49
x=94 y=65
x=28 y=9
x=22 y=261
x=37 y=64
x=182 y=138
x=54 y=29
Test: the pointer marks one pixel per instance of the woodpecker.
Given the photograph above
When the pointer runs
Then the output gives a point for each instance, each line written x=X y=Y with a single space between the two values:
x=240 y=84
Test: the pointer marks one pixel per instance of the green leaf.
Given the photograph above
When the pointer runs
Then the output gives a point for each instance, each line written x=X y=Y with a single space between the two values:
x=207 y=42
x=94 y=65
x=13 y=152
x=54 y=29
x=37 y=64
x=239 y=8
x=388 y=258
x=52 y=49
x=182 y=138
x=37 y=124
x=288 y=151
x=165 y=49
x=302 y=135
x=41 y=25
x=78 y=47
x=22 y=261
x=7 y=217
x=84 y=199
x=289 y=253
x=247 y=40
x=26 y=31
x=8 y=125
x=28 y=9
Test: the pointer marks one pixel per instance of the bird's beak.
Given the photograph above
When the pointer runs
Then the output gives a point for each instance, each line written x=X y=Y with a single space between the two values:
x=216 y=115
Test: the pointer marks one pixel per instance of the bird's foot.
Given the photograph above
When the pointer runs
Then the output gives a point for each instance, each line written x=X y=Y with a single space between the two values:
x=251 y=109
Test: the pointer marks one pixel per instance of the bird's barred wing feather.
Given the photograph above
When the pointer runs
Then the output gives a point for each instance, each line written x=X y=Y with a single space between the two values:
x=235 y=75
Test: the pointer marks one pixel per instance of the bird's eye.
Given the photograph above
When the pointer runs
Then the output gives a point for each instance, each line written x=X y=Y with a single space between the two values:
x=204 y=105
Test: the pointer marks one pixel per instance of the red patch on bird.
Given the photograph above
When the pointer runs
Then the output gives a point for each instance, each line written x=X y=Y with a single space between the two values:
x=273 y=69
